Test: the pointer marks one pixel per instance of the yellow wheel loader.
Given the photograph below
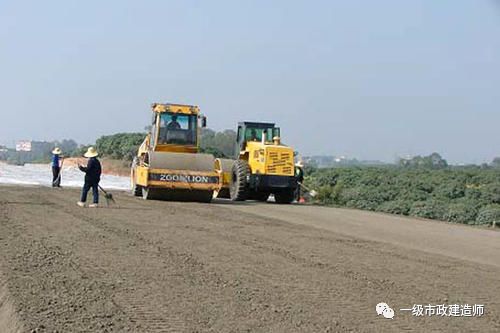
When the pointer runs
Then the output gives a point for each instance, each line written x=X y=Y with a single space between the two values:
x=263 y=166
x=168 y=165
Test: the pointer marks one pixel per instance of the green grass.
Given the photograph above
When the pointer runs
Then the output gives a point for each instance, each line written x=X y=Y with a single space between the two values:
x=462 y=195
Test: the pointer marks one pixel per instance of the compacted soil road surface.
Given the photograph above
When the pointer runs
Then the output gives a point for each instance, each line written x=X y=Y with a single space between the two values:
x=189 y=267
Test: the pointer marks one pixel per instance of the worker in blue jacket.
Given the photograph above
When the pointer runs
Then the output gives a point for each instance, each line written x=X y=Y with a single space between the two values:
x=56 y=167
x=92 y=178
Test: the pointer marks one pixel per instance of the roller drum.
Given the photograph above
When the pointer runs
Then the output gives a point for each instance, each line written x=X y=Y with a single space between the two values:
x=185 y=163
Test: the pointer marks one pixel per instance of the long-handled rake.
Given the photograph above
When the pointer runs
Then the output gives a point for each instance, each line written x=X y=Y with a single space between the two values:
x=108 y=196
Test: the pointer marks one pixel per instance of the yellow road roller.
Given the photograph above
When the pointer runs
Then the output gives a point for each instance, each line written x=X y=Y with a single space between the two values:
x=168 y=165
x=262 y=166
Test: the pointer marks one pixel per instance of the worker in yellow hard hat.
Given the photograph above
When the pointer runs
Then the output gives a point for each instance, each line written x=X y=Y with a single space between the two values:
x=92 y=177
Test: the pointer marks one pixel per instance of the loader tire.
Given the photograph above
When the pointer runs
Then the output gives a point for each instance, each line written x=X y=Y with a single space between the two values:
x=239 y=186
x=284 y=197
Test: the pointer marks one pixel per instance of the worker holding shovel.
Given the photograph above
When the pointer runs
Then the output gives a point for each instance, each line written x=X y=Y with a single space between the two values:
x=57 y=162
x=92 y=178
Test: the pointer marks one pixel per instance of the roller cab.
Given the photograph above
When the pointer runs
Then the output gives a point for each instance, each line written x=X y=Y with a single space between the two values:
x=168 y=164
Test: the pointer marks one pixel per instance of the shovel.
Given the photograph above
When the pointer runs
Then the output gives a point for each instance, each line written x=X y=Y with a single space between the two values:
x=108 y=196
x=312 y=193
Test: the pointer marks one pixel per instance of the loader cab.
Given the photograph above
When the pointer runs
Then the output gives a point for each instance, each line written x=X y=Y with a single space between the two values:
x=254 y=132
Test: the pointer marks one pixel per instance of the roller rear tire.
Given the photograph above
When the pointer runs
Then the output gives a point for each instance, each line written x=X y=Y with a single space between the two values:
x=224 y=193
x=149 y=193
x=136 y=189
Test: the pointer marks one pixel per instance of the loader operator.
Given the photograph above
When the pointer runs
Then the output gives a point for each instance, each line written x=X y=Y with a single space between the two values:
x=173 y=124
x=253 y=135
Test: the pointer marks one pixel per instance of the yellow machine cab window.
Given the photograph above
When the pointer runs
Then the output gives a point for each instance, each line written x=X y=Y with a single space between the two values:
x=180 y=129
x=255 y=134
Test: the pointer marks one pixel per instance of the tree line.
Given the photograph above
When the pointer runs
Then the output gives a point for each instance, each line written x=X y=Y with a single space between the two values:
x=120 y=146
x=41 y=152
x=124 y=146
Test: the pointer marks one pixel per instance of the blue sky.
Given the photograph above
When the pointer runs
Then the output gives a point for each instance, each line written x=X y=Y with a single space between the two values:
x=368 y=79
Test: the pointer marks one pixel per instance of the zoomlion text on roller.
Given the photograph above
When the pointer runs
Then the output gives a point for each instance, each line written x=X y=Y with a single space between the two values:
x=168 y=165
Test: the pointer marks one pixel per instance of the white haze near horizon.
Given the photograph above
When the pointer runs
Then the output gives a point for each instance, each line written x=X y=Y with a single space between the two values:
x=41 y=175
x=367 y=79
